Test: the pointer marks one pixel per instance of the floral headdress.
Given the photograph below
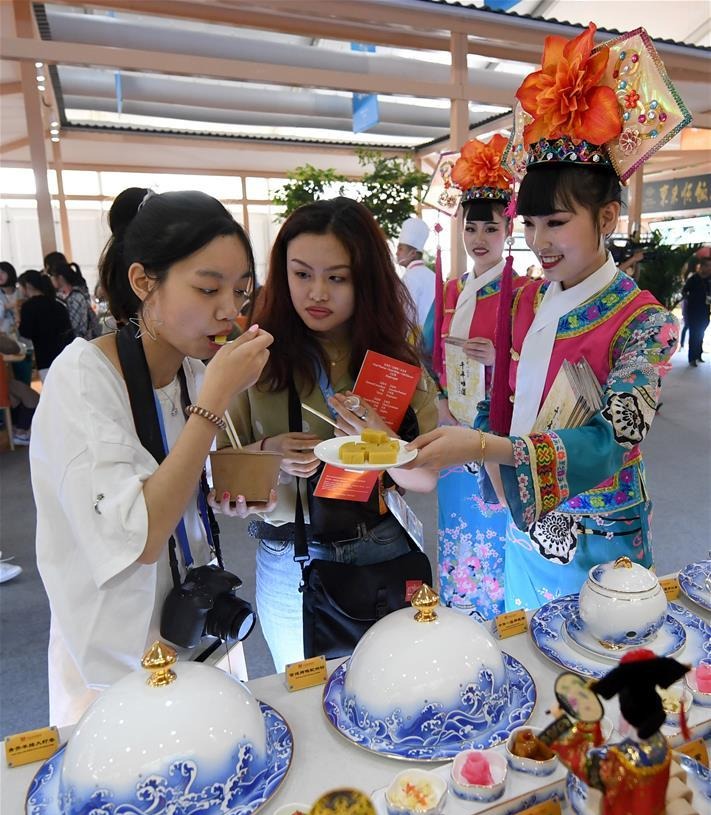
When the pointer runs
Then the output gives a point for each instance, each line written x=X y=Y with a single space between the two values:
x=610 y=105
x=479 y=173
x=476 y=172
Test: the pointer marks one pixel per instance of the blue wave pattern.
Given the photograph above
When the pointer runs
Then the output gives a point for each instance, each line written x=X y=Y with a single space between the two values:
x=547 y=633
x=486 y=717
x=249 y=783
x=698 y=775
x=692 y=580
x=670 y=639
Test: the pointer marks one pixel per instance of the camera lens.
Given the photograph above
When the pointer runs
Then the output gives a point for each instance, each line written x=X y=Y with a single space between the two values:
x=231 y=618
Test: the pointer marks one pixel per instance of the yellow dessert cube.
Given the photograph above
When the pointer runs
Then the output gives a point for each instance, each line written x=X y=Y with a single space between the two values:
x=383 y=454
x=220 y=339
x=352 y=453
x=374 y=436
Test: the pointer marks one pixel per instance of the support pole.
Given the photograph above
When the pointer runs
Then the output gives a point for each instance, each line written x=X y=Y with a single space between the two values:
x=35 y=130
x=634 y=220
x=459 y=130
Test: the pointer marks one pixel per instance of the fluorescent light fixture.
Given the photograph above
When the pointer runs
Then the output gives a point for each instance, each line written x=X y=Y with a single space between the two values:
x=54 y=132
x=41 y=88
x=40 y=78
x=54 y=123
x=39 y=64
x=55 y=138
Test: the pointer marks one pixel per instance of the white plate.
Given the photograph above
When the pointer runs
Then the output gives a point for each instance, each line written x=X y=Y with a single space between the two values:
x=328 y=451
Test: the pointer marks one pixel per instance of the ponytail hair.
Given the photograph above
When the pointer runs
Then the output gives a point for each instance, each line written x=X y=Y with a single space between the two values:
x=158 y=231
x=38 y=281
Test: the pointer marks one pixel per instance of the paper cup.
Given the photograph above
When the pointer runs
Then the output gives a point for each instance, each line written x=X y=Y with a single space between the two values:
x=244 y=472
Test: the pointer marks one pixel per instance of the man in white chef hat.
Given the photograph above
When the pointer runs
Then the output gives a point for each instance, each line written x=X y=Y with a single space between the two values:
x=418 y=277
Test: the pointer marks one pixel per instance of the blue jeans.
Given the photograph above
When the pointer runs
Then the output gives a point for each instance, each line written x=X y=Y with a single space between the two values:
x=278 y=576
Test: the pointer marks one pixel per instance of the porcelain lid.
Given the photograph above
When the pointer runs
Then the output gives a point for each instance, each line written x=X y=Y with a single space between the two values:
x=408 y=659
x=140 y=725
x=622 y=575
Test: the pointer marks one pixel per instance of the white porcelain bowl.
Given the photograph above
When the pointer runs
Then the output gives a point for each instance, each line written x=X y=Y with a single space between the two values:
x=136 y=739
x=622 y=603
x=427 y=797
x=292 y=809
x=402 y=664
x=479 y=792
x=678 y=694
x=530 y=766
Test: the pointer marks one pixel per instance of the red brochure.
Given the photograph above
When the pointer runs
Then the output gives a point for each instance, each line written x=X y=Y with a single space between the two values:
x=388 y=385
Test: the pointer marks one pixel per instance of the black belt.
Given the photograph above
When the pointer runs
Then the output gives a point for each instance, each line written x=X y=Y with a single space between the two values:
x=265 y=531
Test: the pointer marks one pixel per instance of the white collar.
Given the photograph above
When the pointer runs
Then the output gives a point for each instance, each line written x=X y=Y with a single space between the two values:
x=466 y=302
x=537 y=347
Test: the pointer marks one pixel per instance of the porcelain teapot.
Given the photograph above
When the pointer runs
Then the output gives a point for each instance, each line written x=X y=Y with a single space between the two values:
x=622 y=604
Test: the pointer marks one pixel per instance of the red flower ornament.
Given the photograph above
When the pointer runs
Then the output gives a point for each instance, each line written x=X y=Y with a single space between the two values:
x=564 y=97
x=479 y=165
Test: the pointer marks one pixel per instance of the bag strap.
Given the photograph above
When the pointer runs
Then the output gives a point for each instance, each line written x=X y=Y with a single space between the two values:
x=301 y=548
x=137 y=376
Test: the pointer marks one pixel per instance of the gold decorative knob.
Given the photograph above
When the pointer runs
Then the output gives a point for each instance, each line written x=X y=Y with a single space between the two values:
x=426 y=601
x=158 y=659
x=623 y=563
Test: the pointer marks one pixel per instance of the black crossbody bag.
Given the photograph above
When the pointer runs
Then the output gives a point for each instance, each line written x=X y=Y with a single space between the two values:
x=342 y=601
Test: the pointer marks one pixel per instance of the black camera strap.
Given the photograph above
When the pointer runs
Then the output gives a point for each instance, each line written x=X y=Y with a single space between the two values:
x=145 y=418
x=301 y=546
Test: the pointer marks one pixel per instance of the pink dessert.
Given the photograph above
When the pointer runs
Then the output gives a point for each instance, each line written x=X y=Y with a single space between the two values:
x=475 y=770
x=703 y=677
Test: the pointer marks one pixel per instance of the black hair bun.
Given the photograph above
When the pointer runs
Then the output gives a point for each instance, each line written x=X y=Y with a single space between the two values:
x=124 y=209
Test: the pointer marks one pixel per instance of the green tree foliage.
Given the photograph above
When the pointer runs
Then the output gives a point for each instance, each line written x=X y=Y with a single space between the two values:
x=391 y=187
x=306 y=184
x=662 y=270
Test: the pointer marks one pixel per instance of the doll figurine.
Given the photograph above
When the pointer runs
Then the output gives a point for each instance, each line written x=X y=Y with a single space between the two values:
x=632 y=774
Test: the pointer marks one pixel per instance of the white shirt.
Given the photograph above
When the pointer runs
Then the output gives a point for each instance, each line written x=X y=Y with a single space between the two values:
x=88 y=469
x=420 y=282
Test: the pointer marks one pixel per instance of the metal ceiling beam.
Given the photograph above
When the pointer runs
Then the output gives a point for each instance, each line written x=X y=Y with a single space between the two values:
x=69 y=53
x=281 y=21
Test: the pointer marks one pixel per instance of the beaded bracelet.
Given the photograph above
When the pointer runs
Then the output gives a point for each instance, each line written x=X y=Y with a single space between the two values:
x=204 y=413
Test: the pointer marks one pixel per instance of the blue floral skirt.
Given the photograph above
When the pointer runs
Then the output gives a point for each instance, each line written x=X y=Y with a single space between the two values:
x=471 y=542
x=555 y=559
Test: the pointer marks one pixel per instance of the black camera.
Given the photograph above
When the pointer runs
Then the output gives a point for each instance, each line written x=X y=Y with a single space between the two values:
x=205 y=604
x=623 y=248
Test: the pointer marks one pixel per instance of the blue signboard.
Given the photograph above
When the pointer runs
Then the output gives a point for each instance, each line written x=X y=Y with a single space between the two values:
x=365 y=111
x=500 y=5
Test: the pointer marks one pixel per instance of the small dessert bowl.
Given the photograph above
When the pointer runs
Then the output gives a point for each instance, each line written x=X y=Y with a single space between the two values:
x=672 y=700
x=416 y=792
x=479 y=792
x=293 y=809
x=524 y=764
x=251 y=473
x=691 y=680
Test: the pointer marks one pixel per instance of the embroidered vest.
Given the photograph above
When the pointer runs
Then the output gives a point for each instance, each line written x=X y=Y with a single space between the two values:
x=595 y=330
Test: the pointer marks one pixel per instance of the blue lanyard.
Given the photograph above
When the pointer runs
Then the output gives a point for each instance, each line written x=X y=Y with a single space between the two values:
x=180 y=531
x=326 y=387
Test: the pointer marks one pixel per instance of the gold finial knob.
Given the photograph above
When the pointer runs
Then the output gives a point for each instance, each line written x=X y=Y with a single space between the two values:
x=426 y=601
x=158 y=659
x=623 y=563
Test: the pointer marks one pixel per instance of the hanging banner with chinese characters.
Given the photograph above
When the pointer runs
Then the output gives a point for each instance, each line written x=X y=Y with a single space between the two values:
x=692 y=192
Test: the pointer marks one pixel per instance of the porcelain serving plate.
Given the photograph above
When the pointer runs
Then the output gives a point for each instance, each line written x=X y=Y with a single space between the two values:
x=434 y=734
x=695 y=582
x=548 y=632
x=243 y=793
x=670 y=639
x=327 y=451
x=698 y=778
